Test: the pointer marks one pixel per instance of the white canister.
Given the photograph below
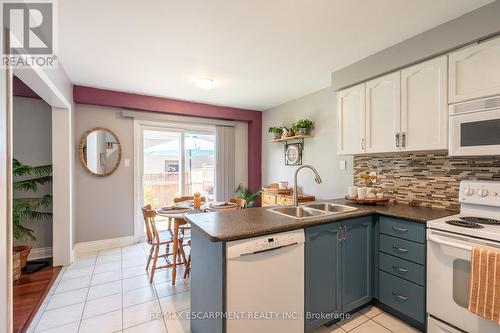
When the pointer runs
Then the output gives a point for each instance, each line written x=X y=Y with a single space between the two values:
x=353 y=191
x=362 y=192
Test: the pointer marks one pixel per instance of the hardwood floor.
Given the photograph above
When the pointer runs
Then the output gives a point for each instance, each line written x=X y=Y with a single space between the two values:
x=29 y=292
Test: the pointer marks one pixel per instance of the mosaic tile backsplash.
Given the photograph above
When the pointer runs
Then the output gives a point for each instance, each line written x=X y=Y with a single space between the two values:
x=425 y=179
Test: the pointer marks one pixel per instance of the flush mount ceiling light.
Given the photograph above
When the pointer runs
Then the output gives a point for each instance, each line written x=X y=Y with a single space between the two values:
x=204 y=83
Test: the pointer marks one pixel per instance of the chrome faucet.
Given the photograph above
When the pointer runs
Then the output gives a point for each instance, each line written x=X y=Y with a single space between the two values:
x=317 y=179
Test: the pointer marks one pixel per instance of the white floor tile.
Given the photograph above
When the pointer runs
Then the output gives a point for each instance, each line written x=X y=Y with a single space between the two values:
x=179 y=323
x=108 y=267
x=67 y=298
x=139 y=261
x=140 y=313
x=371 y=311
x=354 y=321
x=176 y=303
x=165 y=289
x=154 y=326
x=370 y=327
x=135 y=282
x=68 y=328
x=103 y=290
x=86 y=256
x=105 y=323
x=102 y=305
x=108 y=258
x=72 y=284
x=134 y=271
x=137 y=296
x=100 y=278
x=76 y=273
x=393 y=324
x=59 y=317
x=106 y=252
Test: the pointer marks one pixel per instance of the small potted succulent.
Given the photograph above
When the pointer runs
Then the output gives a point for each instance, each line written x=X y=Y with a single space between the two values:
x=276 y=131
x=303 y=127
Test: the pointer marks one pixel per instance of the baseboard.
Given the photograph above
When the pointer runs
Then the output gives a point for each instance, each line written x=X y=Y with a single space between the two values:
x=102 y=244
x=40 y=253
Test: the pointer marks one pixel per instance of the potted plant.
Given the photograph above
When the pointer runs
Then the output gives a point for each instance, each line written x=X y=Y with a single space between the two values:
x=27 y=179
x=276 y=131
x=303 y=127
x=244 y=192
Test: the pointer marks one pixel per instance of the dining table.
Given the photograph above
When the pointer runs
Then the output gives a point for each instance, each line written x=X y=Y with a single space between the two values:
x=178 y=219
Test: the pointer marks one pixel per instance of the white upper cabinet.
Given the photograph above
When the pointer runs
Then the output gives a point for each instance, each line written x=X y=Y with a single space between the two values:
x=475 y=71
x=351 y=120
x=424 y=106
x=383 y=110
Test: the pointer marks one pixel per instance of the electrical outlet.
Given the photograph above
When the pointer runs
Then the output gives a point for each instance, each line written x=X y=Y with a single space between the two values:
x=126 y=162
x=343 y=164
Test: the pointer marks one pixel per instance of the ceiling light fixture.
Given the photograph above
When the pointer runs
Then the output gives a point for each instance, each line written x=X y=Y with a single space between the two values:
x=204 y=83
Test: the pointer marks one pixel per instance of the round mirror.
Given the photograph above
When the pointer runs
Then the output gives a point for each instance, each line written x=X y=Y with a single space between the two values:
x=100 y=151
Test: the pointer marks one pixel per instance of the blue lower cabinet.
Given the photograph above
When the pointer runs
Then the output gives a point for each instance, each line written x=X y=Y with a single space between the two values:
x=357 y=264
x=403 y=296
x=338 y=264
x=322 y=274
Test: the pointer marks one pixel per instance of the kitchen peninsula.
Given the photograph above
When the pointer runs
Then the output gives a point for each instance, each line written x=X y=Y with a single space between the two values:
x=239 y=247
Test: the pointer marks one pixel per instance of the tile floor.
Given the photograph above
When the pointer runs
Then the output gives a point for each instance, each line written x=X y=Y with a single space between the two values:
x=109 y=291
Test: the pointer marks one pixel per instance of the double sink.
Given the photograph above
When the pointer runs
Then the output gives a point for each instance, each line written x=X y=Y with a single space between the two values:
x=311 y=211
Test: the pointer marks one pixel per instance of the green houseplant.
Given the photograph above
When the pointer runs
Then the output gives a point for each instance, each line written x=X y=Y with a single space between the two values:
x=303 y=127
x=27 y=179
x=276 y=131
x=244 y=192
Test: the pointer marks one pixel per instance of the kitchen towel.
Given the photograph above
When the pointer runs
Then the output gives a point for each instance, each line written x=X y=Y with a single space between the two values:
x=485 y=284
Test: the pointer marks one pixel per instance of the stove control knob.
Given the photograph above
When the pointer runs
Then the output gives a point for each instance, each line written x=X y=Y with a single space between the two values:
x=482 y=192
x=468 y=191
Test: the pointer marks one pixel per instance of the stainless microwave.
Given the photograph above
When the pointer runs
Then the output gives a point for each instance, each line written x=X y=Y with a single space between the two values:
x=475 y=128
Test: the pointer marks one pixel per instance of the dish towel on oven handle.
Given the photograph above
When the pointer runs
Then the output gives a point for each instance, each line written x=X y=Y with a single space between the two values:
x=485 y=284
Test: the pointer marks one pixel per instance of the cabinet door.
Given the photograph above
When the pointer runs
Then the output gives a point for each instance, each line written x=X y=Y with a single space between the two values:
x=351 y=120
x=424 y=106
x=322 y=274
x=383 y=113
x=357 y=264
x=475 y=71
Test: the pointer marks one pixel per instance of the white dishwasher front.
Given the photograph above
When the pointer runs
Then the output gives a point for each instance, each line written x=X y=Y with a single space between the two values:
x=265 y=284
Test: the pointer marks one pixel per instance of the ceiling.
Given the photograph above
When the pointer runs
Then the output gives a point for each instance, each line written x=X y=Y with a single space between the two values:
x=261 y=53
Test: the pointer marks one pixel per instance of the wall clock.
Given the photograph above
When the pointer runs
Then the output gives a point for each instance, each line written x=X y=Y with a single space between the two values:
x=293 y=154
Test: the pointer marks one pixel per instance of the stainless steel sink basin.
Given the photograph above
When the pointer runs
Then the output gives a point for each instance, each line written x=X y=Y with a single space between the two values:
x=297 y=212
x=331 y=208
x=312 y=210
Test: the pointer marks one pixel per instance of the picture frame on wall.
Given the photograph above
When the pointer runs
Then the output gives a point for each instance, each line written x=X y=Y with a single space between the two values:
x=293 y=153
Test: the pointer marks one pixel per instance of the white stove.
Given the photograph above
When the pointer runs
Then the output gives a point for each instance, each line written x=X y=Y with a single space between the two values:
x=449 y=244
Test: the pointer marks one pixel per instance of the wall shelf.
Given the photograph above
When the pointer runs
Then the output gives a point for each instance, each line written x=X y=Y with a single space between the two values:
x=292 y=138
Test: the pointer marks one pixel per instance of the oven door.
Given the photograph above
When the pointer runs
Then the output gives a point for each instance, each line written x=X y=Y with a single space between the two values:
x=448 y=280
x=476 y=133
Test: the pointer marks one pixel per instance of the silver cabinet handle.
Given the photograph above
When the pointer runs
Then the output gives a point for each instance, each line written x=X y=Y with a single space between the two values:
x=362 y=144
x=340 y=234
x=399 y=269
x=345 y=233
x=397 y=140
x=403 y=139
x=399 y=229
x=399 y=296
x=399 y=249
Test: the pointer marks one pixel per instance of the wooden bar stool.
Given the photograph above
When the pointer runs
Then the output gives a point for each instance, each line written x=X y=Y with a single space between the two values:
x=156 y=240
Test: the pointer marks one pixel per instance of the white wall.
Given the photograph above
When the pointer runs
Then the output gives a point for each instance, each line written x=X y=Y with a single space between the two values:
x=33 y=146
x=319 y=151
x=105 y=205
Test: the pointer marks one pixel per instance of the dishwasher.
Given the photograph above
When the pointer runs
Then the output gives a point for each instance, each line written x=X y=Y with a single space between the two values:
x=265 y=284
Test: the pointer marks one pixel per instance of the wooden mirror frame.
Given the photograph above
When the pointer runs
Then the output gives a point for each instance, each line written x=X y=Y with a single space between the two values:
x=82 y=158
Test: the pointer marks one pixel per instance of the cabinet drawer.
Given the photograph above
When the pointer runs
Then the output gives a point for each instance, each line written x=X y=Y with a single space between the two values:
x=268 y=199
x=403 y=268
x=413 y=231
x=284 y=201
x=403 y=296
x=403 y=249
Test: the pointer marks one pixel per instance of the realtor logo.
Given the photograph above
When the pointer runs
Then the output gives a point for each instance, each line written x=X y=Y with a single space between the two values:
x=31 y=33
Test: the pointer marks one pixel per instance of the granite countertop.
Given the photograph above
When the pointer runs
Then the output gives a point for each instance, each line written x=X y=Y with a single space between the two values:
x=252 y=222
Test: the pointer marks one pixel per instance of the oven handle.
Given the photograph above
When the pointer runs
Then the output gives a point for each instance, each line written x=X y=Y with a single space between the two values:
x=437 y=240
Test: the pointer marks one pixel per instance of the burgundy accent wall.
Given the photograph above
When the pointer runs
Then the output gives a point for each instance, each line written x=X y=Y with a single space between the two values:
x=21 y=89
x=105 y=97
